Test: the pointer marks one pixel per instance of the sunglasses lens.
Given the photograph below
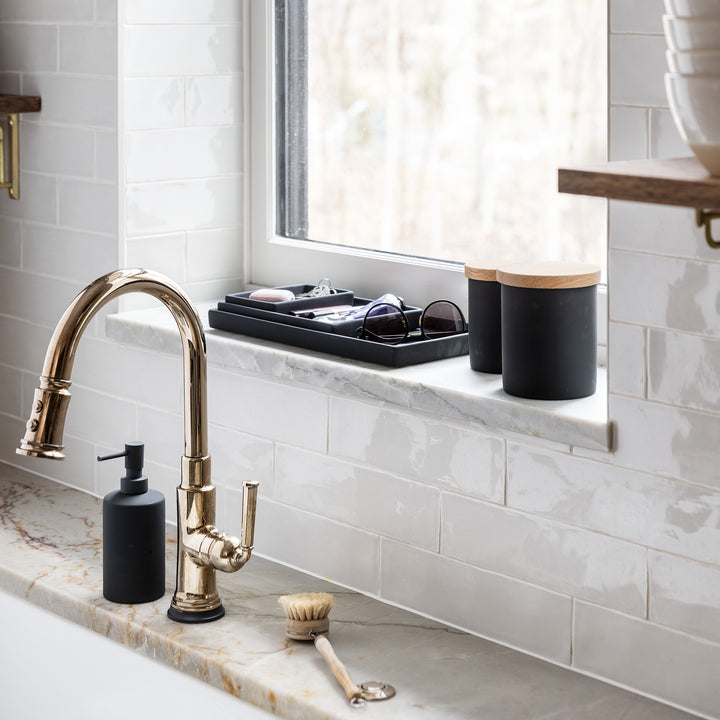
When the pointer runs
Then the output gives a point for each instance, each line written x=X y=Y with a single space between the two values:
x=385 y=324
x=442 y=318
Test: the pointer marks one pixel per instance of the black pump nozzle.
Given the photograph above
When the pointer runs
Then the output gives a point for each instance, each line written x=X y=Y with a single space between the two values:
x=134 y=482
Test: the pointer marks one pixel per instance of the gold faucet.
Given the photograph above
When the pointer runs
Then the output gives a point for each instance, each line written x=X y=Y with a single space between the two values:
x=202 y=548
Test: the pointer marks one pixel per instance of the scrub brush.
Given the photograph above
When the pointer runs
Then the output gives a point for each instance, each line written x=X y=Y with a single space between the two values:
x=308 y=620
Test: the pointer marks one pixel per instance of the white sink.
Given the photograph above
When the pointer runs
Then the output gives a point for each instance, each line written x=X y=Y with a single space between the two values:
x=53 y=668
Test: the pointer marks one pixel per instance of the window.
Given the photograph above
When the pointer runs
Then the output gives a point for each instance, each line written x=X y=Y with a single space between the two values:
x=392 y=140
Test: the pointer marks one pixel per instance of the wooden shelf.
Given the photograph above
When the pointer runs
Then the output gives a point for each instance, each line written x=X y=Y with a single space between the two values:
x=10 y=104
x=681 y=181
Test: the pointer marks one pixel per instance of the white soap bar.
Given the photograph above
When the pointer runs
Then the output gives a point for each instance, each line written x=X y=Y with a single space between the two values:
x=272 y=295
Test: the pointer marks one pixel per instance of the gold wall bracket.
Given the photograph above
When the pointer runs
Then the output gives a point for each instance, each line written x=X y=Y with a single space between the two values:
x=704 y=218
x=10 y=107
x=10 y=155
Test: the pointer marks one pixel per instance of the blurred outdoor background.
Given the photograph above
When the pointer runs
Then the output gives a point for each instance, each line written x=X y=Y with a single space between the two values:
x=436 y=127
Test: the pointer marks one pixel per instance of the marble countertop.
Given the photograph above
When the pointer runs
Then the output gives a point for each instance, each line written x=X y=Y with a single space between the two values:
x=52 y=556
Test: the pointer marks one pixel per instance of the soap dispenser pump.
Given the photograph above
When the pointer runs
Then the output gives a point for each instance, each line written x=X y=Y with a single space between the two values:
x=133 y=534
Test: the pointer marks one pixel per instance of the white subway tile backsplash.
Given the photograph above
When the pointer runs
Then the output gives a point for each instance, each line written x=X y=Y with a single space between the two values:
x=628 y=137
x=34 y=297
x=54 y=251
x=441 y=454
x=47 y=10
x=86 y=205
x=322 y=547
x=215 y=49
x=495 y=606
x=665 y=140
x=376 y=501
x=95 y=415
x=163 y=434
x=106 y=156
x=176 y=154
x=10 y=82
x=645 y=509
x=626 y=372
x=130 y=373
x=664 y=292
x=28 y=48
x=78 y=468
x=237 y=457
x=214 y=251
x=106 y=11
x=214 y=290
x=88 y=49
x=38 y=198
x=214 y=100
x=74 y=99
x=23 y=345
x=658 y=229
x=10 y=242
x=684 y=370
x=164 y=253
x=637 y=68
x=268 y=409
x=190 y=12
x=666 y=440
x=638 y=16
x=58 y=150
x=183 y=205
x=154 y=103
x=684 y=595
x=553 y=555
x=655 y=660
x=10 y=390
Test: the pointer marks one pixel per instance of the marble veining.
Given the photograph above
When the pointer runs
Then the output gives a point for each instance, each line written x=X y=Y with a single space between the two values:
x=51 y=535
x=447 y=388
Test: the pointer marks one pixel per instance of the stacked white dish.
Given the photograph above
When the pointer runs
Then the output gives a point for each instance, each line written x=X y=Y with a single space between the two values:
x=692 y=31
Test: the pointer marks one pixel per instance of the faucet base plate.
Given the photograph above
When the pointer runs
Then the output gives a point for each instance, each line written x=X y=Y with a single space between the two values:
x=190 y=616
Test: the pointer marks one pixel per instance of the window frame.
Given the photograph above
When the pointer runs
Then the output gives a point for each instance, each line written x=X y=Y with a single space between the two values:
x=269 y=255
x=271 y=259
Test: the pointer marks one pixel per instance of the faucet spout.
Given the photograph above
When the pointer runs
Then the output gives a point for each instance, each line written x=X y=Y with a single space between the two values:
x=201 y=547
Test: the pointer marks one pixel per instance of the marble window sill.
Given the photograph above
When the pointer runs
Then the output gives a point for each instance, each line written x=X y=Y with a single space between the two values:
x=445 y=388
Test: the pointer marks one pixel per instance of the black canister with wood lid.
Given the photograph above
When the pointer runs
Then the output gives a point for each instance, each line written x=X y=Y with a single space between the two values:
x=549 y=329
x=484 y=339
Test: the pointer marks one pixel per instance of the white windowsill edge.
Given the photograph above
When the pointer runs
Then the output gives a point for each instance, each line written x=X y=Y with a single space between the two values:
x=447 y=389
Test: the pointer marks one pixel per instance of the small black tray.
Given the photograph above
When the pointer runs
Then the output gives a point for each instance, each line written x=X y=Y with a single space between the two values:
x=411 y=352
x=339 y=297
x=340 y=327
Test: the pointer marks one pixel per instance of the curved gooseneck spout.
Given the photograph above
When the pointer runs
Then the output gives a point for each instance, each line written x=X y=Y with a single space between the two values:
x=202 y=548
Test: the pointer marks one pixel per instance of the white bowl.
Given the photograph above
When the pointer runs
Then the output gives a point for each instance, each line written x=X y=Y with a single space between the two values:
x=693 y=8
x=691 y=33
x=698 y=62
x=695 y=106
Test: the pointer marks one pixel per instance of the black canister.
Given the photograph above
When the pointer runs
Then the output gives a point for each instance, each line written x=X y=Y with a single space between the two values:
x=484 y=338
x=133 y=534
x=549 y=329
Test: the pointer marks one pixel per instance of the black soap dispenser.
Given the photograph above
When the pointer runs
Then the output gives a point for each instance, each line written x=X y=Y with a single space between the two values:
x=133 y=534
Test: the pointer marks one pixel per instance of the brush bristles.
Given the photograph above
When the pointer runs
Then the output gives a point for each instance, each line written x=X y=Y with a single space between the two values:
x=307 y=606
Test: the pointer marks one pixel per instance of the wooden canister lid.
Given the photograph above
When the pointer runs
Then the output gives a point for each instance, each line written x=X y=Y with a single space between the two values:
x=485 y=268
x=549 y=275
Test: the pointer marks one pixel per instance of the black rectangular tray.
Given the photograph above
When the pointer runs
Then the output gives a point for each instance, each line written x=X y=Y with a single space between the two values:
x=339 y=297
x=341 y=327
x=411 y=352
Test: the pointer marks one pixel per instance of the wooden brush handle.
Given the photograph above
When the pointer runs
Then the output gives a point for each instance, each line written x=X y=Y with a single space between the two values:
x=338 y=669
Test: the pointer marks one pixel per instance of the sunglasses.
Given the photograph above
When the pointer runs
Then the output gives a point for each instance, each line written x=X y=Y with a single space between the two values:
x=386 y=323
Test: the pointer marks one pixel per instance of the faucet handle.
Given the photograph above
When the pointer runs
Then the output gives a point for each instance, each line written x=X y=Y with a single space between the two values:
x=249 y=505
